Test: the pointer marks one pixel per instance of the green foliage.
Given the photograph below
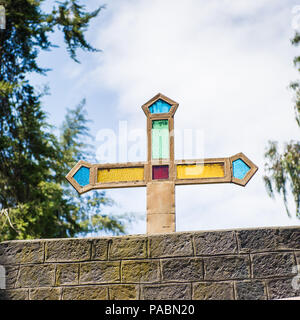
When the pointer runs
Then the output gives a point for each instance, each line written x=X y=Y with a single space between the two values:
x=34 y=196
x=283 y=169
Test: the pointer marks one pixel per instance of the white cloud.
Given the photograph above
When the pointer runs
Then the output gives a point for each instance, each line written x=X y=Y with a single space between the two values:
x=228 y=64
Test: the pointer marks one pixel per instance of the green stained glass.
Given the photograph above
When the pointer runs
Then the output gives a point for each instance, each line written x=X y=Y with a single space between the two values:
x=160 y=139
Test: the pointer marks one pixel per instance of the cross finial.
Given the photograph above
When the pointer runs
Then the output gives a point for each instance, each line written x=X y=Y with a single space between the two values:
x=161 y=172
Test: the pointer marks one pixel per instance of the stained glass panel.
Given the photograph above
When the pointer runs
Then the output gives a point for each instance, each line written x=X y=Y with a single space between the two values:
x=120 y=174
x=160 y=106
x=160 y=172
x=195 y=171
x=240 y=169
x=82 y=176
x=160 y=139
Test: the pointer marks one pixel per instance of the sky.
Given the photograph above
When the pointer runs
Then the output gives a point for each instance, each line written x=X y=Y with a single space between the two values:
x=228 y=64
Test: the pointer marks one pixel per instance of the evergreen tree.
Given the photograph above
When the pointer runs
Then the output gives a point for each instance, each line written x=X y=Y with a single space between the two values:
x=35 y=201
x=283 y=169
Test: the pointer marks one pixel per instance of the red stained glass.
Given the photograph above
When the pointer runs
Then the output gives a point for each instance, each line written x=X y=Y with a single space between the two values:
x=160 y=172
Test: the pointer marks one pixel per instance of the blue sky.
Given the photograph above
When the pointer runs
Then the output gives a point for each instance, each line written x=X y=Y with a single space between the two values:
x=227 y=63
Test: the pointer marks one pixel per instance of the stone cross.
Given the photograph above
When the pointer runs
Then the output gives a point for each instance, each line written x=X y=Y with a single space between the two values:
x=161 y=172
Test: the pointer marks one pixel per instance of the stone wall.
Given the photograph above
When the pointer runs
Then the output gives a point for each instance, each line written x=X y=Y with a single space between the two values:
x=232 y=264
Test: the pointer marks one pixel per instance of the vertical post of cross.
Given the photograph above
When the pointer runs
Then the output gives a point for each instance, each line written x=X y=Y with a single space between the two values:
x=160 y=168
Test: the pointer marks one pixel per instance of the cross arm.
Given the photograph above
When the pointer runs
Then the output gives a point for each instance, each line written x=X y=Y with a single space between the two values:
x=237 y=169
x=85 y=176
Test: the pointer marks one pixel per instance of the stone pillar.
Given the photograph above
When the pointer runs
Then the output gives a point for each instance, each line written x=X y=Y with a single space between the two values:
x=160 y=207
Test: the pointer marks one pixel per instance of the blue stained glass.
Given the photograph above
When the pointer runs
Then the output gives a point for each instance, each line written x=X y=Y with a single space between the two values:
x=160 y=106
x=82 y=176
x=240 y=169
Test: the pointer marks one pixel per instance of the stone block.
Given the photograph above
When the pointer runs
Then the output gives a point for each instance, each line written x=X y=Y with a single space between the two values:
x=21 y=252
x=100 y=249
x=182 y=269
x=289 y=238
x=85 y=293
x=266 y=265
x=283 y=288
x=213 y=291
x=166 y=292
x=215 y=242
x=14 y=294
x=11 y=273
x=38 y=275
x=140 y=271
x=99 y=272
x=171 y=245
x=160 y=223
x=199 y=265
x=67 y=274
x=124 y=292
x=128 y=248
x=258 y=240
x=161 y=197
x=251 y=290
x=45 y=294
x=68 y=250
x=226 y=268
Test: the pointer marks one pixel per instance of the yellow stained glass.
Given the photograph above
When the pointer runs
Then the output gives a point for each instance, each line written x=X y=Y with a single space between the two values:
x=120 y=174
x=196 y=171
